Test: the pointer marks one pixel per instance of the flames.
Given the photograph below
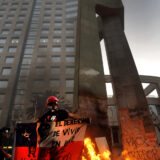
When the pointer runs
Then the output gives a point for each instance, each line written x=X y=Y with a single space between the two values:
x=125 y=155
x=89 y=145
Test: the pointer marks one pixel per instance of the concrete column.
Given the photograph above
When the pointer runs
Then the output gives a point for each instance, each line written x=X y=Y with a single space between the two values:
x=127 y=86
x=89 y=82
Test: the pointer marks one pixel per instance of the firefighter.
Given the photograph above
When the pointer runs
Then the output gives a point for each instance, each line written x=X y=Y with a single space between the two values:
x=4 y=134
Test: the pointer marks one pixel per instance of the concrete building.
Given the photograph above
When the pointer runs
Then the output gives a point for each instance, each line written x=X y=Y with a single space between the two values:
x=45 y=46
x=37 y=53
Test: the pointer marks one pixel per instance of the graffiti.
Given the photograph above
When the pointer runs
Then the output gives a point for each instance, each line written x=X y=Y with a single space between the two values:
x=138 y=144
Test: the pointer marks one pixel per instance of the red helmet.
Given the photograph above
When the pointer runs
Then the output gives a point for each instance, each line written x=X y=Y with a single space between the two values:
x=52 y=99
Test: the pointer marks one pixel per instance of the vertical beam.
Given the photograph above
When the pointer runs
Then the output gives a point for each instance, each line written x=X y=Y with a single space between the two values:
x=90 y=83
x=127 y=86
x=138 y=132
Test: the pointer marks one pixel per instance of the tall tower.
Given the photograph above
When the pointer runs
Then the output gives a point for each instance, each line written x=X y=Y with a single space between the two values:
x=37 y=53
x=44 y=46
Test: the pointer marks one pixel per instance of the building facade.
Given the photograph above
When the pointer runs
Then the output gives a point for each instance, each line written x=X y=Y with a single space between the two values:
x=54 y=45
x=37 y=53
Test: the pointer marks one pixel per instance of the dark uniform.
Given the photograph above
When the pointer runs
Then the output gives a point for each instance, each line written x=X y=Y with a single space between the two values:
x=3 y=153
x=50 y=116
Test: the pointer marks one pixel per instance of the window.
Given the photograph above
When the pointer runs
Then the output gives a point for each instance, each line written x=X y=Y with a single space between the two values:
x=2 y=40
x=71 y=9
x=1 y=17
x=58 y=23
x=19 y=99
x=38 y=83
x=25 y=66
x=41 y=59
x=57 y=31
x=15 y=40
x=71 y=3
x=21 y=16
x=14 y=4
x=71 y=15
x=21 y=84
x=27 y=60
x=20 y=91
x=58 y=9
x=55 y=70
x=3 y=83
x=6 y=71
x=48 y=9
x=12 y=49
x=69 y=96
x=70 y=59
x=5 y=32
x=58 y=3
x=69 y=23
x=23 y=10
x=48 y=3
x=54 y=83
x=19 y=24
x=1 y=49
x=2 y=11
x=70 y=40
x=47 y=16
x=69 y=48
x=9 y=59
x=2 y=96
x=7 y=24
x=45 y=31
x=4 y=4
x=69 y=83
x=28 y=51
x=17 y=31
x=70 y=70
x=24 y=72
x=25 y=3
x=56 y=39
x=56 y=48
x=58 y=17
x=56 y=59
x=44 y=39
x=37 y=6
x=12 y=10
x=42 y=48
x=46 y=23
x=69 y=31
x=10 y=16
x=40 y=70
x=30 y=41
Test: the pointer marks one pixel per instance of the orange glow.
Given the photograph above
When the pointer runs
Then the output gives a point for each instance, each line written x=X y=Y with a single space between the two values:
x=90 y=146
x=91 y=149
x=124 y=153
x=106 y=155
x=83 y=158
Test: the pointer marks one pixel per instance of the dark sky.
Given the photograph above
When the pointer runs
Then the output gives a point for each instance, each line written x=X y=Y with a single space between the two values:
x=142 y=28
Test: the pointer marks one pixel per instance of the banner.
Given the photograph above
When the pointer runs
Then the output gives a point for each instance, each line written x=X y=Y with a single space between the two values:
x=52 y=141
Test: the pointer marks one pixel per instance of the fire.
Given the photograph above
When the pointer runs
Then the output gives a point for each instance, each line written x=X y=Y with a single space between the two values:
x=106 y=154
x=90 y=148
x=124 y=153
x=89 y=145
